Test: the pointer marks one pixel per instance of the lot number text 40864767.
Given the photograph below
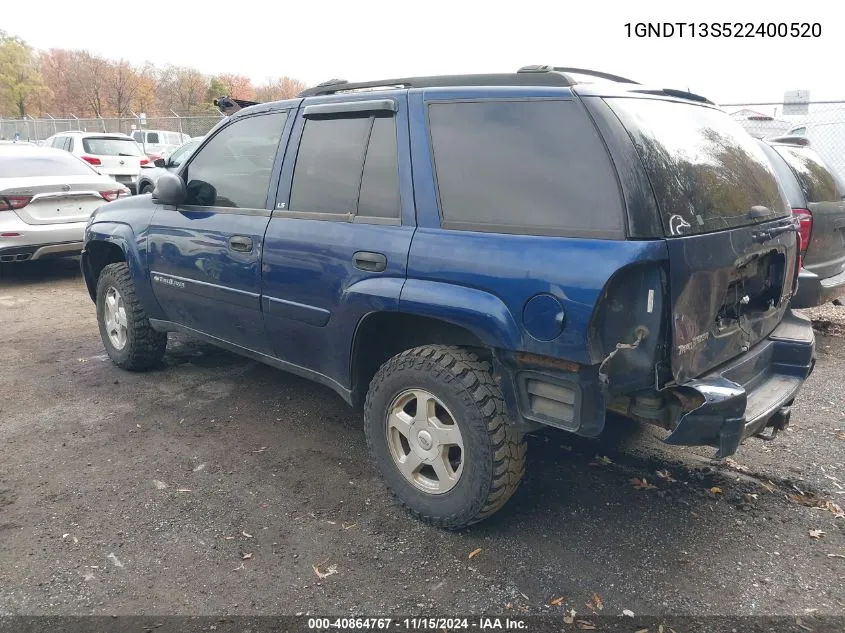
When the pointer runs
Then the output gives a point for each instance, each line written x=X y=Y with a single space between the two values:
x=723 y=29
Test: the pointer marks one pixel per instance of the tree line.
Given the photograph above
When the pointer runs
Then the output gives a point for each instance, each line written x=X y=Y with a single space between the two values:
x=61 y=82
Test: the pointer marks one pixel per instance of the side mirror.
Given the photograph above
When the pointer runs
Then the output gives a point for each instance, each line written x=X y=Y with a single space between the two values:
x=160 y=162
x=170 y=190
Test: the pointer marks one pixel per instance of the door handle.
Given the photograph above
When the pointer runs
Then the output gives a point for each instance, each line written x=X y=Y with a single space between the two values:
x=371 y=262
x=240 y=243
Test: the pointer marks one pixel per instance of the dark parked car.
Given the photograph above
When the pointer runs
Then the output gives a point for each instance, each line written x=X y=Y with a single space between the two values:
x=150 y=173
x=473 y=257
x=815 y=194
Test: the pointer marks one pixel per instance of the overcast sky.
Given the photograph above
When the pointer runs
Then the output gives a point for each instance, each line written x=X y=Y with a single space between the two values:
x=315 y=41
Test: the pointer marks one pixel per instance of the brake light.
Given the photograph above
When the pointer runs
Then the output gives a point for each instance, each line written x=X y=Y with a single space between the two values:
x=805 y=228
x=114 y=194
x=145 y=161
x=91 y=160
x=10 y=203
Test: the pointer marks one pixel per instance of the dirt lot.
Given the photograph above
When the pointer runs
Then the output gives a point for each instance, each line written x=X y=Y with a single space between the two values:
x=214 y=484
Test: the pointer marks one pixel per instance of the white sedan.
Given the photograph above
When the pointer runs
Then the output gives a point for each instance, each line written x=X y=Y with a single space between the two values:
x=115 y=155
x=46 y=197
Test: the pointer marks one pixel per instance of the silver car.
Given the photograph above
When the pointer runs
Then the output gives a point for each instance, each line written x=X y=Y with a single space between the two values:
x=150 y=173
x=46 y=197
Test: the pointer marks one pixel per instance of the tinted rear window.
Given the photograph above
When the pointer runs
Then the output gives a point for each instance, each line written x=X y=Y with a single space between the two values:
x=59 y=164
x=705 y=170
x=104 y=146
x=817 y=180
x=523 y=167
x=787 y=179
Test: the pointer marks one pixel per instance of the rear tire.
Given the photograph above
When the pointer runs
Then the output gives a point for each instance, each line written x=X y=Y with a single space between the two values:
x=146 y=188
x=484 y=455
x=127 y=335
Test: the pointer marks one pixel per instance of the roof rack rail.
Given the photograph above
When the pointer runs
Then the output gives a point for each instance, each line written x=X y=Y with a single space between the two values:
x=566 y=70
x=790 y=139
x=229 y=105
x=439 y=81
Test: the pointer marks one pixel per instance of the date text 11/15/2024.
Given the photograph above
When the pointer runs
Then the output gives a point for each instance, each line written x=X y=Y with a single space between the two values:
x=723 y=29
x=417 y=624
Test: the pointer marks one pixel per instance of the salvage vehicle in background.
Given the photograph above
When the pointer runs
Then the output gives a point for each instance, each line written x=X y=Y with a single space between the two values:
x=150 y=173
x=159 y=143
x=473 y=257
x=817 y=197
x=46 y=197
x=115 y=155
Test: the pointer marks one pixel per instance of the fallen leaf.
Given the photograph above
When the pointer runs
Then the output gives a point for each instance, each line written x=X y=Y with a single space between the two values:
x=802 y=625
x=331 y=522
x=347 y=526
x=241 y=566
x=768 y=486
x=840 y=435
x=836 y=555
x=817 y=533
x=597 y=601
x=585 y=625
x=665 y=475
x=569 y=618
x=246 y=535
x=642 y=631
x=628 y=613
x=230 y=538
x=716 y=490
x=200 y=467
x=474 y=553
x=246 y=556
x=556 y=602
x=64 y=536
x=114 y=559
x=835 y=509
x=642 y=484
x=733 y=465
x=601 y=460
x=260 y=450
x=159 y=485
x=331 y=570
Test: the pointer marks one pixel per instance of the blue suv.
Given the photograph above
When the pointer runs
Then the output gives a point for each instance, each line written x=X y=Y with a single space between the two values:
x=471 y=258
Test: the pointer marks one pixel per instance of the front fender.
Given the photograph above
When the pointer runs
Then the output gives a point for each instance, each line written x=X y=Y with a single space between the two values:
x=134 y=248
x=480 y=312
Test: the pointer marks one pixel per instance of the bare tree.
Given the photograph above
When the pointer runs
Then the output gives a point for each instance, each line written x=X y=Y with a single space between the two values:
x=124 y=85
x=279 y=88
x=94 y=75
x=236 y=86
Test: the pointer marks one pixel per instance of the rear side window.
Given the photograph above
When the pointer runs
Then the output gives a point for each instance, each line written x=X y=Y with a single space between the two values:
x=138 y=136
x=115 y=146
x=152 y=137
x=347 y=166
x=817 y=180
x=785 y=176
x=233 y=169
x=47 y=164
x=705 y=170
x=536 y=167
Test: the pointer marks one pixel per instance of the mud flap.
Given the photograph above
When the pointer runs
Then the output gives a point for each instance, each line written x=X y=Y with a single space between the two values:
x=719 y=421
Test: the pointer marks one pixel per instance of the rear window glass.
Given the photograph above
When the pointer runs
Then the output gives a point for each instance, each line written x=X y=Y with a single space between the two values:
x=152 y=137
x=104 y=146
x=817 y=180
x=523 y=167
x=47 y=164
x=706 y=172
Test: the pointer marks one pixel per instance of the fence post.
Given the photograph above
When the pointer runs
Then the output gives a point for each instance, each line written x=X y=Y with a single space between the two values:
x=179 y=119
x=77 y=121
x=55 y=131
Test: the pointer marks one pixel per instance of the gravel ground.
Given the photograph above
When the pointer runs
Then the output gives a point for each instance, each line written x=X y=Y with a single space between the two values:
x=216 y=485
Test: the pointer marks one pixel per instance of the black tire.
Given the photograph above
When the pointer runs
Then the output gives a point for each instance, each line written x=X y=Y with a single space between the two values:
x=144 y=347
x=494 y=452
x=146 y=188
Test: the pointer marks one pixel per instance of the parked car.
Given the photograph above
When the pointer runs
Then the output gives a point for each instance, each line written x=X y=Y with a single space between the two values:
x=46 y=197
x=159 y=143
x=115 y=155
x=815 y=194
x=150 y=173
x=473 y=257
x=825 y=129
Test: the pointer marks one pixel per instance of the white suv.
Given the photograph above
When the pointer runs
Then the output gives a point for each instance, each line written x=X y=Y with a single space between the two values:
x=159 y=143
x=115 y=155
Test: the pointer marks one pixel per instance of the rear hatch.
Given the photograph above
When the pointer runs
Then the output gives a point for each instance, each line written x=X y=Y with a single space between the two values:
x=115 y=156
x=823 y=192
x=732 y=243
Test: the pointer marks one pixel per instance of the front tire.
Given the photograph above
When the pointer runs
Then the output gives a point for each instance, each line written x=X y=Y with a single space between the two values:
x=127 y=335
x=437 y=429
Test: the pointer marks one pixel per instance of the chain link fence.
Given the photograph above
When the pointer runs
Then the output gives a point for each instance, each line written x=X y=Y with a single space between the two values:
x=33 y=130
x=823 y=124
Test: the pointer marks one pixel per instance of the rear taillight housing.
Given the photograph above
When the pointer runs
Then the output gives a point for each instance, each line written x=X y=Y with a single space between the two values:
x=92 y=160
x=145 y=161
x=114 y=194
x=10 y=203
x=805 y=228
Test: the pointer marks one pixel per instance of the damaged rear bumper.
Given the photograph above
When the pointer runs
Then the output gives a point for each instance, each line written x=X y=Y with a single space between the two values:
x=754 y=391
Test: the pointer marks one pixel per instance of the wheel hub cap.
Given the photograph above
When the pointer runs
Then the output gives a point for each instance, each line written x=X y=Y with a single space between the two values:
x=424 y=441
x=114 y=317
